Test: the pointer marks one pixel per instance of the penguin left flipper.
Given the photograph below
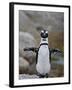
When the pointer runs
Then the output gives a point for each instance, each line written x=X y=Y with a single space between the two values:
x=52 y=50
x=31 y=49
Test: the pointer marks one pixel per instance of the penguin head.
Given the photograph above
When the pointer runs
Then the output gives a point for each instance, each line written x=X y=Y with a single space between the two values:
x=44 y=33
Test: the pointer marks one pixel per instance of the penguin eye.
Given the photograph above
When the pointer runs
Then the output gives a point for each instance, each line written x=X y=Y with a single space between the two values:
x=42 y=31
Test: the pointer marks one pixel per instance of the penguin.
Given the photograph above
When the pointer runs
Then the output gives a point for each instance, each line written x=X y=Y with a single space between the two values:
x=43 y=55
x=43 y=63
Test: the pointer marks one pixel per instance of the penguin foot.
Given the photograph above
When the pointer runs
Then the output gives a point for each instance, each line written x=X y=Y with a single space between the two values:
x=43 y=76
x=46 y=75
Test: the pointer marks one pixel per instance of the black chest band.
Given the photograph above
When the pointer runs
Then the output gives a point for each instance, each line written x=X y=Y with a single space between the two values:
x=43 y=44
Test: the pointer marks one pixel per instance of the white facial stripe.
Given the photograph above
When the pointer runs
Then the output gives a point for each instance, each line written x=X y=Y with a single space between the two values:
x=46 y=31
x=42 y=31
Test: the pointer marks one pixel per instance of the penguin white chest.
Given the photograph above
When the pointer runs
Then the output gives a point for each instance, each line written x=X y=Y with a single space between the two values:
x=43 y=64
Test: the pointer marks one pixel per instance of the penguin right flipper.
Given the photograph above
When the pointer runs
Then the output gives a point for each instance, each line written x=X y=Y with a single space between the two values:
x=34 y=49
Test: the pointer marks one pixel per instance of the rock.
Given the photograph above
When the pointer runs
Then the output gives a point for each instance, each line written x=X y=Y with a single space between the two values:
x=32 y=69
x=26 y=40
x=23 y=65
x=27 y=76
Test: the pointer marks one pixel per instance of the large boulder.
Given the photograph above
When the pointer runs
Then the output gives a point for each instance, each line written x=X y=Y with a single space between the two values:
x=26 y=40
x=23 y=65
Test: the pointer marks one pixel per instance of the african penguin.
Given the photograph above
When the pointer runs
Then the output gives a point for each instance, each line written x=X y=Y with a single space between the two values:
x=43 y=62
x=43 y=55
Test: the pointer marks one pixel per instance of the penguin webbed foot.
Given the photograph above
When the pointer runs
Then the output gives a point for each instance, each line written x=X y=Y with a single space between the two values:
x=46 y=75
x=43 y=76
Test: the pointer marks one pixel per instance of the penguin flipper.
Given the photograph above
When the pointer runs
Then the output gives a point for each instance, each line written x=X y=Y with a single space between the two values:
x=34 y=49
x=52 y=50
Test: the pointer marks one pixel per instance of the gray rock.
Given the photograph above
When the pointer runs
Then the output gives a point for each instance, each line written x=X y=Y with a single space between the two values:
x=26 y=40
x=23 y=65
x=27 y=76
